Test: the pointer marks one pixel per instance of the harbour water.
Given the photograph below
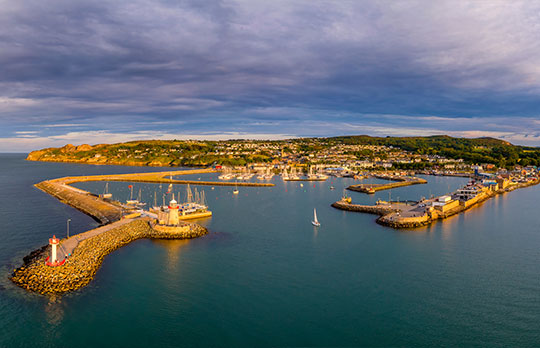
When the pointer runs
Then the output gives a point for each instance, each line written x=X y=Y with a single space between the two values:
x=264 y=276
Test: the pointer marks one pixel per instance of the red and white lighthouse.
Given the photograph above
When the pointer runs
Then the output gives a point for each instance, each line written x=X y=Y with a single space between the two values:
x=53 y=259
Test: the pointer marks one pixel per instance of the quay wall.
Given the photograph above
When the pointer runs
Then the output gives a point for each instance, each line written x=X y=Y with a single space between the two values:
x=86 y=259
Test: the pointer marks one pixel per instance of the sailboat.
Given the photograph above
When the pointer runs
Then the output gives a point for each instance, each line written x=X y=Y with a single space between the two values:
x=155 y=207
x=106 y=193
x=315 y=222
x=235 y=191
x=131 y=200
x=139 y=203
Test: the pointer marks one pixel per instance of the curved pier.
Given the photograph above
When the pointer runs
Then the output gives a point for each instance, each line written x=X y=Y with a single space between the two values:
x=83 y=253
x=82 y=265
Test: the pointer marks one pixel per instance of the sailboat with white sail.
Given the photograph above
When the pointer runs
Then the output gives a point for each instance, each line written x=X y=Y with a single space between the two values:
x=315 y=222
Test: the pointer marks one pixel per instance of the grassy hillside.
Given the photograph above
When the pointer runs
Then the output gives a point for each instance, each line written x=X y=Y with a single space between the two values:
x=202 y=153
x=477 y=150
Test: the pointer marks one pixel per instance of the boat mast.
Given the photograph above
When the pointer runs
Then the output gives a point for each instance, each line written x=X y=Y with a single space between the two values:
x=189 y=194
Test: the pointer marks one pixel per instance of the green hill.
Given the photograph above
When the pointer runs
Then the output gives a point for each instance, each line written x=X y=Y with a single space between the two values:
x=203 y=153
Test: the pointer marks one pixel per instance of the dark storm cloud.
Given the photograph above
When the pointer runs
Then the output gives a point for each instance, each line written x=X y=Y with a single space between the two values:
x=268 y=67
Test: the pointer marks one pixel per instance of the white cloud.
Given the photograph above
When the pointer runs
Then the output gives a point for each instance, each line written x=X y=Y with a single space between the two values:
x=27 y=144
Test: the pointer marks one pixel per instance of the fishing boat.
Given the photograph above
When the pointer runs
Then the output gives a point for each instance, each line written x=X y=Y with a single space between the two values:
x=315 y=222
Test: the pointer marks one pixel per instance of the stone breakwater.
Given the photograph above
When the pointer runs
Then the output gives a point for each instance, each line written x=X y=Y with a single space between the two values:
x=157 y=177
x=370 y=209
x=99 y=209
x=86 y=259
x=399 y=182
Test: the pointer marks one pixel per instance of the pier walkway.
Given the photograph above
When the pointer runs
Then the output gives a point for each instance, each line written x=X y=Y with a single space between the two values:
x=68 y=245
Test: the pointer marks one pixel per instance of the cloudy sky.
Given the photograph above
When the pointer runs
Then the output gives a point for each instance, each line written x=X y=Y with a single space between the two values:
x=110 y=71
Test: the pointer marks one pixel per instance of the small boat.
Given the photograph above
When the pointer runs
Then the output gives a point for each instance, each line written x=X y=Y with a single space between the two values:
x=139 y=203
x=106 y=193
x=235 y=191
x=345 y=198
x=315 y=222
x=131 y=201
x=301 y=185
x=332 y=187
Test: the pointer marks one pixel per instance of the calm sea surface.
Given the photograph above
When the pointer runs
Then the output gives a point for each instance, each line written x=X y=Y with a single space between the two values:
x=264 y=276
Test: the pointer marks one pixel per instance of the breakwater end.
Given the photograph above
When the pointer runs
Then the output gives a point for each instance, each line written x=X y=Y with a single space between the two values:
x=87 y=257
x=399 y=181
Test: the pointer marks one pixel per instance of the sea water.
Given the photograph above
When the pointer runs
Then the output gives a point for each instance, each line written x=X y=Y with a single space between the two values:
x=264 y=276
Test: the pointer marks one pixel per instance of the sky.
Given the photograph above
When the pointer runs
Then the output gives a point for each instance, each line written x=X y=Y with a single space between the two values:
x=111 y=71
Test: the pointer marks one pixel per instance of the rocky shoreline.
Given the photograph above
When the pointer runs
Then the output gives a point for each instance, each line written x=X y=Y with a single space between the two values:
x=81 y=267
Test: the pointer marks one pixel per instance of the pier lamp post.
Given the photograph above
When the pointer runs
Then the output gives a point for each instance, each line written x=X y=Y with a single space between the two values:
x=68 y=220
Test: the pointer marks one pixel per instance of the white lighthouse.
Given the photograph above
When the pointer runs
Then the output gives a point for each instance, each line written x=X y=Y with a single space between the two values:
x=53 y=259
x=173 y=212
